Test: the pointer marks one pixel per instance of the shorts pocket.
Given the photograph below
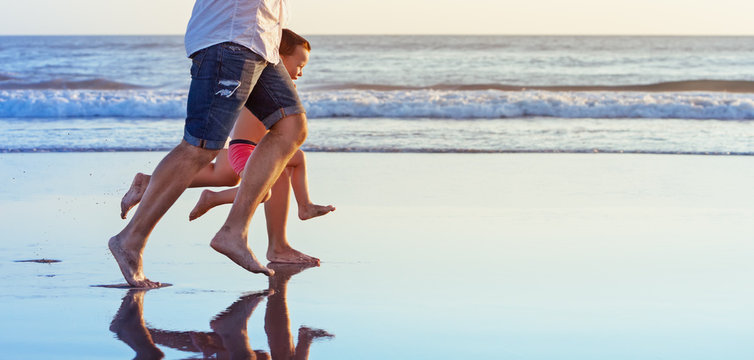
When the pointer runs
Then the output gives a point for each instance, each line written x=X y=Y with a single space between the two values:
x=197 y=59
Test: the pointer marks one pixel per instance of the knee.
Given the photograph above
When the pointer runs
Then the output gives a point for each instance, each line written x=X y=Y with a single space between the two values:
x=291 y=128
x=299 y=131
x=300 y=157
x=197 y=154
x=302 y=136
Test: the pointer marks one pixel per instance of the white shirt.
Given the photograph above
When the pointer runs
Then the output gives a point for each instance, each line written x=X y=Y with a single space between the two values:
x=255 y=24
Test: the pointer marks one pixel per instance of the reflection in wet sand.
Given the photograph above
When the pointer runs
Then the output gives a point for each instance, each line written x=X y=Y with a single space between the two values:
x=229 y=338
x=128 y=326
x=277 y=323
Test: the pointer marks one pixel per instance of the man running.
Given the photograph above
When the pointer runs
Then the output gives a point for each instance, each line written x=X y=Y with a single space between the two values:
x=233 y=45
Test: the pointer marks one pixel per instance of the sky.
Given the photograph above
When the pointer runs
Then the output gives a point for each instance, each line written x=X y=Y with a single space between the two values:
x=535 y=17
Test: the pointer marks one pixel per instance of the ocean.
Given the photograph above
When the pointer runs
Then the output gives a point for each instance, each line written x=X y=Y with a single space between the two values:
x=688 y=95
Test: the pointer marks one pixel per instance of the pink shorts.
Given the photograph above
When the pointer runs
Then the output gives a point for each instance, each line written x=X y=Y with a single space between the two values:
x=239 y=151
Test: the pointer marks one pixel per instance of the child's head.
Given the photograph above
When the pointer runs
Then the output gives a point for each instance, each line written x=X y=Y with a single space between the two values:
x=294 y=52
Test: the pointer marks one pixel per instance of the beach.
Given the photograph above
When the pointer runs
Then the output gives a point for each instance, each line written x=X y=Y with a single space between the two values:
x=498 y=197
x=500 y=256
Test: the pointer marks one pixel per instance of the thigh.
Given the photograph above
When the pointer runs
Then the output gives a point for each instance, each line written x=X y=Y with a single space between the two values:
x=223 y=168
x=274 y=96
x=222 y=77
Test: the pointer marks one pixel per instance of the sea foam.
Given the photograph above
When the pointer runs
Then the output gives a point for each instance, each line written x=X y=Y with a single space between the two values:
x=479 y=104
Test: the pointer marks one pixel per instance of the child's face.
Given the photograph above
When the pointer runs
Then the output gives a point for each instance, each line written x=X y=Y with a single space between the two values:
x=295 y=62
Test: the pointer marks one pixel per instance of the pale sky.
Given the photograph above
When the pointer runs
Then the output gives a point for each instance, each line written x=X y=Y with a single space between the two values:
x=550 y=17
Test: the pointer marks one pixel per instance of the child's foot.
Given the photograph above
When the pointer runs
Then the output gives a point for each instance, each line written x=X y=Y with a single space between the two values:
x=309 y=211
x=289 y=255
x=203 y=205
x=134 y=193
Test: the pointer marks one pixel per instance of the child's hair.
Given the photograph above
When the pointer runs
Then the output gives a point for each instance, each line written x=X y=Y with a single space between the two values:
x=290 y=40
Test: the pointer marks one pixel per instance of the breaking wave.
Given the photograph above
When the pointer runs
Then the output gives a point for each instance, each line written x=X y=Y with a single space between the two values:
x=411 y=103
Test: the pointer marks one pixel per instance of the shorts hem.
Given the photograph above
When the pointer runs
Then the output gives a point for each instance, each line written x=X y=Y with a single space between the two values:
x=273 y=118
x=203 y=143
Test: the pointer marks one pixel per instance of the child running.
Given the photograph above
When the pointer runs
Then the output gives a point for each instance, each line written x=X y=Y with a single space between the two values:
x=230 y=163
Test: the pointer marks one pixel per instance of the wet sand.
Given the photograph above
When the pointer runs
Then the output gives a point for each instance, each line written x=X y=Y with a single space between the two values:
x=441 y=256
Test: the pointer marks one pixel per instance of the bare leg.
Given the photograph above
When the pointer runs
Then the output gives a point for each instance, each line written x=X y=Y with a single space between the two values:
x=128 y=325
x=300 y=183
x=279 y=250
x=171 y=177
x=277 y=323
x=231 y=325
x=262 y=169
x=210 y=199
x=218 y=173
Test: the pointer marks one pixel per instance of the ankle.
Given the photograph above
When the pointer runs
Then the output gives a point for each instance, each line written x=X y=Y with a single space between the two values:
x=279 y=247
x=227 y=232
x=304 y=205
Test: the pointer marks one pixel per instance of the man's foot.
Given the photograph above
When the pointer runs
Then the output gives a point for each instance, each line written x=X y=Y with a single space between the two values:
x=231 y=326
x=289 y=255
x=235 y=318
x=307 y=333
x=203 y=205
x=134 y=193
x=309 y=211
x=128 y=325
x=237 y=249
x=129 y=263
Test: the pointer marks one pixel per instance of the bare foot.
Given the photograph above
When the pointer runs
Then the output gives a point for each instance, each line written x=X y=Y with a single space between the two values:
x=128 y=325
x=309 y=211
x=130 y=265
x=308 y=333
x=235 y=317
x=134 y=193
x=284 y=272
x=203 y=205
x=237 y=249
x=289 y=255
x=209 y=199
x=231 y=326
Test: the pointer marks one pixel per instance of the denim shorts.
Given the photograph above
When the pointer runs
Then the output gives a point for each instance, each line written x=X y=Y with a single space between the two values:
x=224 y=78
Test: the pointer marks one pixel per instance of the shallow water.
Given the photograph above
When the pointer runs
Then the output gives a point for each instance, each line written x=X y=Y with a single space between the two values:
x=524 y=256
x=403 y=93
